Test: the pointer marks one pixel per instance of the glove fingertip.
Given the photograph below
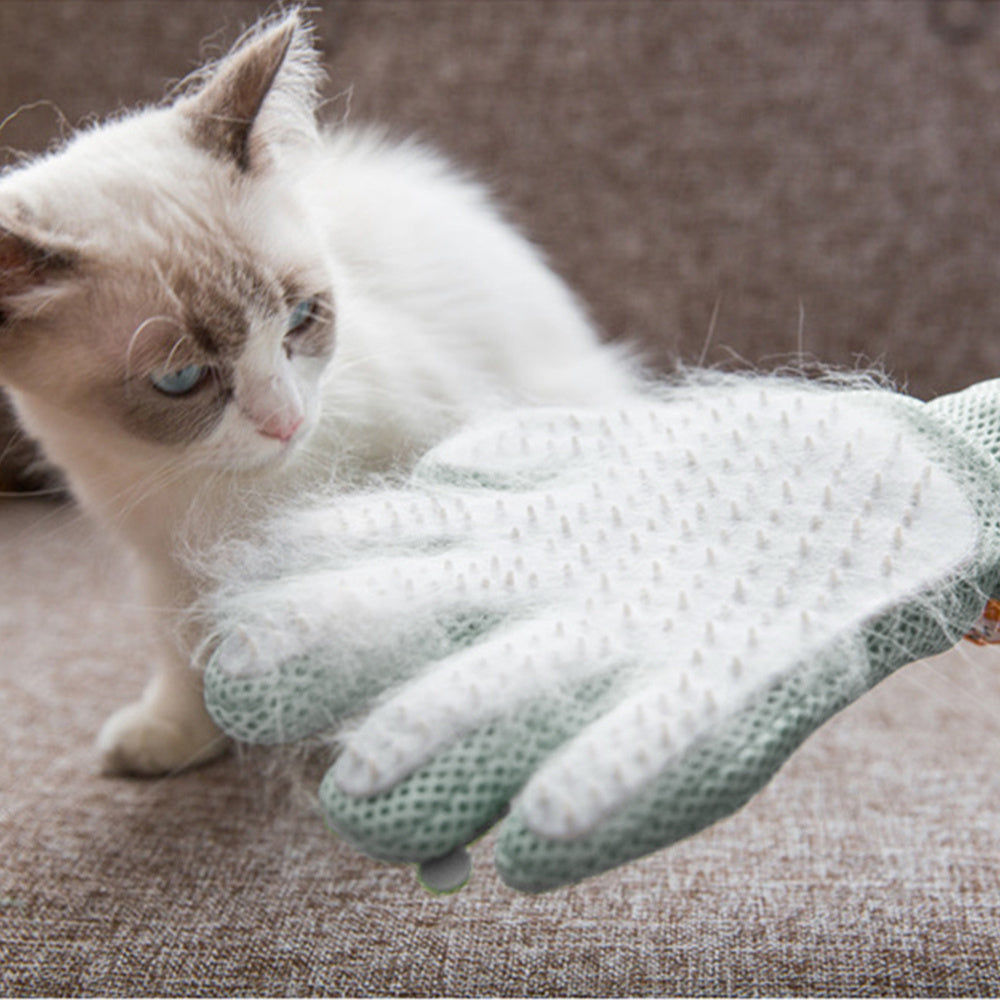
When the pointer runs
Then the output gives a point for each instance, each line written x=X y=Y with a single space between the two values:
x=279 y=706
x=528 y=863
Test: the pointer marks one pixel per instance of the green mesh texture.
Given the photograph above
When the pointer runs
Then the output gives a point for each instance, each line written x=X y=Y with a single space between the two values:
x=973 y=413
x=458 y=794
x=314 y=691
x=717 y=776
x=961 y=435
x=305 y=694
x=964 y=429
x=455 y=797
x=287 y=705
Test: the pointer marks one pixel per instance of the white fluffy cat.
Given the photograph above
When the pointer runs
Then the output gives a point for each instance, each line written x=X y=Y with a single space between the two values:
x=210 y=304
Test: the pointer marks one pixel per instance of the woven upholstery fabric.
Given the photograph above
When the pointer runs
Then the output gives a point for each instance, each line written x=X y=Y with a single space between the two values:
x=771 y=157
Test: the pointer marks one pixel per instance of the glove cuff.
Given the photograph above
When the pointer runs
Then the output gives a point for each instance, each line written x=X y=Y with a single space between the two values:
x=975 y=414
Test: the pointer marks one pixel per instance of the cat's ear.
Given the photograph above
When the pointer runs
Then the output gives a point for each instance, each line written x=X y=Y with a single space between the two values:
x=26 y=265
x=263 y=94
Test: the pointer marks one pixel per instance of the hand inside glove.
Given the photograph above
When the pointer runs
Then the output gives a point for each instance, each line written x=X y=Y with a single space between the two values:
x=616 y=623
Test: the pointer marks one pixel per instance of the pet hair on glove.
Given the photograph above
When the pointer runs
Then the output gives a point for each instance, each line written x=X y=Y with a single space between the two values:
x=616 y=623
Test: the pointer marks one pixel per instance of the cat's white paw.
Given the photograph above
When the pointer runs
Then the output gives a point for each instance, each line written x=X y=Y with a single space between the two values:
x=138 y=739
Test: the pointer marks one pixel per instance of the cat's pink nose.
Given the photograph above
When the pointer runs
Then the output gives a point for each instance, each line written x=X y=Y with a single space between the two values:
x=281 y=427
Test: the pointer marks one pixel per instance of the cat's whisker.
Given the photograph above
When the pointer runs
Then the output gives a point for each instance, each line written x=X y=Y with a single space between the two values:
x=167 y=288
x=60 y=527
x=141 y=329
x=140 y=491
x=180 y=342
x=45 y=491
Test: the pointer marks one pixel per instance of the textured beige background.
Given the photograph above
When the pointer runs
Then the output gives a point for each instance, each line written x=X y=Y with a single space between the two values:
x=824 y=174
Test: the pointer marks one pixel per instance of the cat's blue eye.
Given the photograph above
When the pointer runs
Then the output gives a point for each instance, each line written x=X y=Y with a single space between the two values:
x=302 y=315
x=180 y=382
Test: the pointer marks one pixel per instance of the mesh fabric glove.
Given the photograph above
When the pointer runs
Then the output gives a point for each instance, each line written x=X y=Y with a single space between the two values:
x=617 y=623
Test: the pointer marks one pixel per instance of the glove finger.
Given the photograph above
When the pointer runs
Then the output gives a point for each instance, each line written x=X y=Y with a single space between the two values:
x=549 y=841
x=292 y=658
x=711 y=779
x=464 y=789
x=539 y=446
x=435 y=765
x=516 y=664
x=340 y=533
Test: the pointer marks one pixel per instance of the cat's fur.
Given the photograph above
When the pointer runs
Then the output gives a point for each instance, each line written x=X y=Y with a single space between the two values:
x=185 y=235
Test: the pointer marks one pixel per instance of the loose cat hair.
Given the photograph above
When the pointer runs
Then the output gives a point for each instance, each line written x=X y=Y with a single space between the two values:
x=214 y=303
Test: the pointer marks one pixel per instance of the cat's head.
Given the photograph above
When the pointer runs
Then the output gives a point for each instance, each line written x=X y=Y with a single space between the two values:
x=160 y=280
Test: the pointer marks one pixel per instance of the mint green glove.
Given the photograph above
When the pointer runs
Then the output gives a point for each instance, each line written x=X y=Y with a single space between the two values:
x=617 y=624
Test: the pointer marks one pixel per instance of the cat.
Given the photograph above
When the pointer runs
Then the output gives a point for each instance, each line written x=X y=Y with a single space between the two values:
x=213 y=303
